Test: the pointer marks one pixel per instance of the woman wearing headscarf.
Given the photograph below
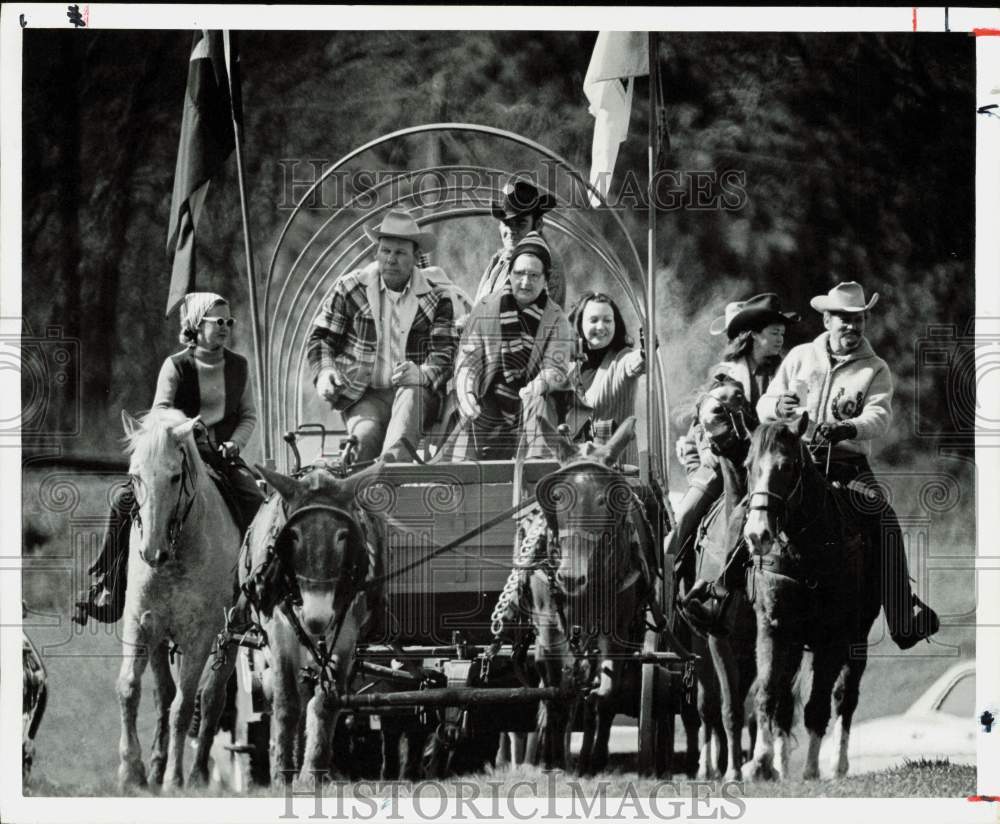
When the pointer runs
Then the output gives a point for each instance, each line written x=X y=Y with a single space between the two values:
x=206 y=380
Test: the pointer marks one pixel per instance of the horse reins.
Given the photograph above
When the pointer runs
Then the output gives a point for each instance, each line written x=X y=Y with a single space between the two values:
x=781 y=538
x=321 y=656
x=323 y=653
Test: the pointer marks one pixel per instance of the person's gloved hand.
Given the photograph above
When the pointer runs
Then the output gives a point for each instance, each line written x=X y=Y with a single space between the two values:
x=229 y=451
x=786 y=405
x=834 y=433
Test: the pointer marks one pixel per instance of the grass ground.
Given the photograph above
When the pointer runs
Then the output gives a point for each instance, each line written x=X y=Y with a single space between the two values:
x=921 y=779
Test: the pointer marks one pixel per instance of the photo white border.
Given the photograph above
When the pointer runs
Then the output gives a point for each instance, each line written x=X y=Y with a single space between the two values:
x=14 y=807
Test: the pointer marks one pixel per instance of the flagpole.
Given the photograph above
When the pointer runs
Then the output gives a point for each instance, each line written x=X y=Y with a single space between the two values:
x=651 y=258
x=263 y=413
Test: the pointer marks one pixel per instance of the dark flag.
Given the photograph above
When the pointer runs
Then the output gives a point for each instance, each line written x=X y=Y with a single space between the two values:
x=206 y=141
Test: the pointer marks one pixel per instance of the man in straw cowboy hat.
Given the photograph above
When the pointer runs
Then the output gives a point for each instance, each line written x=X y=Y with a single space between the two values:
x=847 y=391
x=382 y=345
x=521 y=210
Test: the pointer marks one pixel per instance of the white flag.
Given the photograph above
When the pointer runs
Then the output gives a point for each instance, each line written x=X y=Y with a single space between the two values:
x=617 y=55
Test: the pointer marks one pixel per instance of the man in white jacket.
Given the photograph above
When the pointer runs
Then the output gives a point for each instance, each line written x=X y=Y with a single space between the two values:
x=847 y=391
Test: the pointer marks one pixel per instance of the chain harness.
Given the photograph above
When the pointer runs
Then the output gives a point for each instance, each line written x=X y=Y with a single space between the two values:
x=528 y=559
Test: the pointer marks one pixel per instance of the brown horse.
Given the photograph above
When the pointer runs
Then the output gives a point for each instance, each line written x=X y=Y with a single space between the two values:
x=726 y=666
x=593 y=579
x=814 y=586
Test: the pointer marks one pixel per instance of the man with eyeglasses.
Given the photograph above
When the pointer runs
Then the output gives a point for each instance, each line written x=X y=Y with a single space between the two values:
x=383 y=344
x=521 y=210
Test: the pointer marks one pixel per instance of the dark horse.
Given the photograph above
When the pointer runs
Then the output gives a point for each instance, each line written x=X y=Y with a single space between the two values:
x=726 y=664
x=327 y=549
x=594 y=576
x=813 y=585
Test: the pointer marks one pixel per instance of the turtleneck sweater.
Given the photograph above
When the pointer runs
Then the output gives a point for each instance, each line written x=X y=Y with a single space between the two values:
x=212 y=390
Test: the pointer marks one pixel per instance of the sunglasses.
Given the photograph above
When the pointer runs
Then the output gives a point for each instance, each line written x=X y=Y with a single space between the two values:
x=219 y=321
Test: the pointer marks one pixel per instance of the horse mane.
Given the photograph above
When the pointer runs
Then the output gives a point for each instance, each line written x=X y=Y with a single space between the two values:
x=768 y=437
x=153 y=437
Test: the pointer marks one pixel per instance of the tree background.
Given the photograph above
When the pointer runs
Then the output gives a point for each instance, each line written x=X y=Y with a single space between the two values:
x=857 y=150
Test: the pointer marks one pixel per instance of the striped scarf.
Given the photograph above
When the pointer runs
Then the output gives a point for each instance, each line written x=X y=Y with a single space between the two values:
x=518 y=328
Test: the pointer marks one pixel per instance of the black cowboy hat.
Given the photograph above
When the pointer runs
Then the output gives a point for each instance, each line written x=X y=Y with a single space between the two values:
x=521 y=197
x=758 y=312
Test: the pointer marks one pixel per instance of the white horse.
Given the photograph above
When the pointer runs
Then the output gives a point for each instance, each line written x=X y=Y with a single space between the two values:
x=182 y=552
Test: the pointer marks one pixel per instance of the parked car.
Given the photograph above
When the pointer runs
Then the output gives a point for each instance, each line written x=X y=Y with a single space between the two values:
x=941 y=723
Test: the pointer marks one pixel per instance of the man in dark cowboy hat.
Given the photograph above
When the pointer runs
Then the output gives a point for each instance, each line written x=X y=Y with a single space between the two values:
x=847 y=391
x=383 y=344
x=520 y=211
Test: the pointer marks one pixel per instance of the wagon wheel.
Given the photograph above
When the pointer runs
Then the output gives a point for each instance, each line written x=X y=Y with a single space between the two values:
x=656 y=710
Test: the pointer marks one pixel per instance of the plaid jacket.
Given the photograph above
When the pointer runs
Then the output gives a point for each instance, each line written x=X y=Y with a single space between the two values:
x=345 y=333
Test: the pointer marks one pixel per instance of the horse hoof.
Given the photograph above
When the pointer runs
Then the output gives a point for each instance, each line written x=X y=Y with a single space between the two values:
x=762 y=772
x=157 y=767
x=131 y=775
x=305 y=781
x=810 y=774
x=734 y=774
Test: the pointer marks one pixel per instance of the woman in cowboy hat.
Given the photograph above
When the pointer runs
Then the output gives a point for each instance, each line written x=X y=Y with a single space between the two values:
x=755 y=329
x=205 y=380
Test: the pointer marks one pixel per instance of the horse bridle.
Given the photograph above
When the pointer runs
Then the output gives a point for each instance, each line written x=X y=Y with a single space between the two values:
x=178 y=518
x=321 y=653
x=554 y=553
x=777 y=504
x=738 y=426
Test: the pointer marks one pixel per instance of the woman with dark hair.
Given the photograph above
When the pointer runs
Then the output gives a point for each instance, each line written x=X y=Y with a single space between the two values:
x=205 y=380
x=755 y=329
x=607 y=375
x=603 y=383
